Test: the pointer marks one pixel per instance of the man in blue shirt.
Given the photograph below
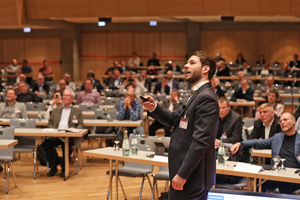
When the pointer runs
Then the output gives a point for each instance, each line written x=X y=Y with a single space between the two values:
x=129 y=109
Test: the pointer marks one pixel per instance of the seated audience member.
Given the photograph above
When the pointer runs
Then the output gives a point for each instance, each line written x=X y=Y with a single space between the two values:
x=265 y=71
x=115 y=83
x=295 y=62
x=54 y=103
x=61 y=86
x=285 y=73
x=27 y=70
x=11 y=108
x=230 y=124
x=240 y=59
x=11 y=70
x=26 y=96
x=152 y=70
x=218 y=57
x=153 y=61
x=40 y=86
x=174 y=68
x=223 y=70
x=267 y=125
x=172 y=105
x=264 y=90
x=110 y=75
x=144 y=80
x=96 y=85
x=116 y=65
x=134 y=61
x=18 y=73
x=162 y=87
x=69 y=84
x=261 y=60
x=20 y=78
x=88 y=96
x=237 y=83
x=132 y=83
x=215 y=85
x=63 y=117
x=283 y=144
x=243 y=93
x=171 y=82
x=246 y=68
x=129 y=109
x=46 y=70
x=123 y=67
x=273 y=99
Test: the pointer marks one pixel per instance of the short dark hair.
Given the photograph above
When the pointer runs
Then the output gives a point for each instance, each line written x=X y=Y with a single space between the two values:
x=223 y=99
x=25 y=61
x=275 y=91
x=177 y=92
x=90 y=74
x=129 y=84
x=57 y=91
x=206 y=59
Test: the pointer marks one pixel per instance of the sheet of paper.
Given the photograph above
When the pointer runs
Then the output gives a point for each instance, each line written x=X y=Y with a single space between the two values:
x=49 y=129
x=160 y=158
x=245 y=167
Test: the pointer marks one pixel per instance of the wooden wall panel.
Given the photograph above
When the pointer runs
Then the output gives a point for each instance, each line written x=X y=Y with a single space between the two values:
x=103 y=8
x=275 y=7
x=93 y=43
x=98 y=66
x=133 y=8
x=295 y=5
x=292 y=44
x=216 y=7
x=173 y=44
x=13 y=48
x=75 y=8
x=245 y=7
x=119 y=43
x=48 y=8
x=194 y=7
x=8 y=13
x=161 y=8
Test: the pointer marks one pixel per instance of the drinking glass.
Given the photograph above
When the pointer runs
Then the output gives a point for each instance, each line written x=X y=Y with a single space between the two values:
x=276 y=160
x=117 y=145
x=226 y=155
x=282 y=167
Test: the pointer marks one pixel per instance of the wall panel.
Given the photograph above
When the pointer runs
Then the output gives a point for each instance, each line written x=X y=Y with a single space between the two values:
x=13 y=48
x=119 y=43
x=93 y=43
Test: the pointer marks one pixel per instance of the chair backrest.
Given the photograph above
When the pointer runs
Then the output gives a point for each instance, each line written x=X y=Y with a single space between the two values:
x=21 y=123
x=246 y=132
x=248 y=122
x=92 y=107
x=46 y=96
x=103 y=114
x=108 y=92
x=36 y=106
x=7 y=133
x=112 y=101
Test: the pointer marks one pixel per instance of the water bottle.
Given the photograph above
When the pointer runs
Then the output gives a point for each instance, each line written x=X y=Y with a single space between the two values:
x=220 y=153
x=134 y=144
x=39 y=117
x=125 y=145
x=108 y=118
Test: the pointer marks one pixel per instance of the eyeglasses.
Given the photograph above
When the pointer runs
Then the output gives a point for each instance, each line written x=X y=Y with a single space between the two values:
x=283 y=120
x=128 y=95
x=67 y=95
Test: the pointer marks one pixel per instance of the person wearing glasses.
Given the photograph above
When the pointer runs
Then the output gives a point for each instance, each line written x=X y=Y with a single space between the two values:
x=129 y=109
x=284 y=144
x=62 y=117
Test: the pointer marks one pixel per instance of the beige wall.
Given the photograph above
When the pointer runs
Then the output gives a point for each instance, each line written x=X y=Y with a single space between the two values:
x=34 y=50
x=120 y=45
x=274 y=45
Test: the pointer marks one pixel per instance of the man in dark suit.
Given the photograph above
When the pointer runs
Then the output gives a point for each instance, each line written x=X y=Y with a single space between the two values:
x=162 y=87
x=123 y=67
x=153 y=61
x=267 y=125
x=115 y=83
x=192 y=158
x=171 y=82
x=172 y=104
x=26 y=96
x=230 y=124
x=174 y=68
x=63 y=117
x=40 y=86
x=295 y=62
x=96 y=83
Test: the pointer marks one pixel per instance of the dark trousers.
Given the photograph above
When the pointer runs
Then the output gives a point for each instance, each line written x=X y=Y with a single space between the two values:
x=284 y=187
x=156 y=125
x=191 y=194
x=50 y=144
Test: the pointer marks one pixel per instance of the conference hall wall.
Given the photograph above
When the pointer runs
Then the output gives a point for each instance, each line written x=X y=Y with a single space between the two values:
x=274 y=45
x=34 y=50
x=99 y=49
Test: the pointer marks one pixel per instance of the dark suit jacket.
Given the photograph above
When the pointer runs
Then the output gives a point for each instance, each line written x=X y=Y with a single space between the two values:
x=158 y=88
x=166 y=105
x=96 y=84
x=175 y=84
x=225 y=72
x=55 y=119
x=191 y=151
x=178 y=69
x=233 y=125
x=238 y=94
x=112 y=83
x=259 y=129
x=35 y=87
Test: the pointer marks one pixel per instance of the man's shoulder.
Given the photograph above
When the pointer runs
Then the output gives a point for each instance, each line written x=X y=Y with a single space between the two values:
x=19 y=104
x=57 y=109
x=258 y=123
x=76 y=109
x=235 y=116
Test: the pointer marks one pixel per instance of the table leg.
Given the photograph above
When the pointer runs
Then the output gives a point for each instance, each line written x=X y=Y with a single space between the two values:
x=67 y=173
x=117 y=178
x=242 y=111
x=254 y=188
x=110 y=179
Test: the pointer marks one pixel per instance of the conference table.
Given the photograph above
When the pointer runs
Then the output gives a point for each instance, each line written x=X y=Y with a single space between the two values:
x=5 y=144
x=111 y=154
x=53 y=133
x=262 y=154
x=249 y=104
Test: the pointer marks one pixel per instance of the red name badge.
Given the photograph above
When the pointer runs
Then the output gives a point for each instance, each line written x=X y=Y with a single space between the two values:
x=183 y=123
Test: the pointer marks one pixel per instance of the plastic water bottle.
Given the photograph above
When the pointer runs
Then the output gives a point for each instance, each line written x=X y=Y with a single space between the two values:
x=220 y=153
x=134 y=144
x=108 y=118
x=39 y=117
x=125 y=145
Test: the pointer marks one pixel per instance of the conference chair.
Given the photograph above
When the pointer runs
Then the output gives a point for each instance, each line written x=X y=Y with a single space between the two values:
x=36 y=106
x=112 y=101
x=46 y=96
x=108 y=92
x=248 y=122
x=133 y=170
x=87 y=107
x=26 y=144
x=7 y=155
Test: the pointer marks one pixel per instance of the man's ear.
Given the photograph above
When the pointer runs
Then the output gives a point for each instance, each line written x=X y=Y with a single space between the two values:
x=205 y=69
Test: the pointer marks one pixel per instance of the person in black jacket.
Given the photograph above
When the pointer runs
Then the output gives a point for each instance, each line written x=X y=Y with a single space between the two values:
x=162 y=87
x=154 y=61
x=40 y=86
x=223 y=70
x=96 y=83
x=26 y=96
x=174 y=68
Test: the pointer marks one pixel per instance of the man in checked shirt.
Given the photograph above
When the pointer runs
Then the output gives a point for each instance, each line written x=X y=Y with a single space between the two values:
x=129 y=109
